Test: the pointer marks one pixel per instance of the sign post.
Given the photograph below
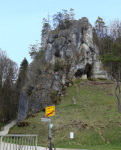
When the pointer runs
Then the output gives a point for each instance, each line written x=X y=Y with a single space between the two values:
x=50 y=111
x=49 y=131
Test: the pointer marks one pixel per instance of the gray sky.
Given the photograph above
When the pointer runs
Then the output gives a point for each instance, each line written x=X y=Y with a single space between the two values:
x=21 y=20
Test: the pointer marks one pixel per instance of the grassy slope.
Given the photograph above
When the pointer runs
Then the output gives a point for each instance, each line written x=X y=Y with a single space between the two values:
x=94 y=119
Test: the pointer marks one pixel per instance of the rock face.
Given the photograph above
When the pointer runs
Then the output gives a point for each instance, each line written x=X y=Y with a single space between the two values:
x=41 y=93
x=76 y=44
x=23 y=105
x=70 y=55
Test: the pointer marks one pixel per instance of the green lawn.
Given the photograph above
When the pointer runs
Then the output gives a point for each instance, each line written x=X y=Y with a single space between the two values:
x=94 y=119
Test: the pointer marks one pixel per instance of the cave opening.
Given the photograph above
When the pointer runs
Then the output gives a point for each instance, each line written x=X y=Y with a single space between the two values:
x=84 y=73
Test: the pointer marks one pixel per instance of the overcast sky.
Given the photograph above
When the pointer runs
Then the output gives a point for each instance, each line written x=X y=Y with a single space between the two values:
x=21 y=20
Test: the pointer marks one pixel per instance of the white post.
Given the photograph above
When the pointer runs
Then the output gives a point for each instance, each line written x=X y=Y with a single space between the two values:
x=0 y=142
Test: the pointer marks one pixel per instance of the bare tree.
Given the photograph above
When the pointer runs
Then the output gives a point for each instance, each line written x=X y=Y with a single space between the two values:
x=8 y=76
x=114 y=28
x=118 y=95
x=46 y=28
x=71 y=14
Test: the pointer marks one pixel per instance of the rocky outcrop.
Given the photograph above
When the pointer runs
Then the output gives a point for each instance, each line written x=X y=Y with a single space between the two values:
x=23 y=106
x=76 y=44
x=70 y=55
x=42 y=92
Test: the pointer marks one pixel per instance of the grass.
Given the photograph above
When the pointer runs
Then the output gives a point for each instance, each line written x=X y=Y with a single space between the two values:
x=94 y=119
x=4 y=124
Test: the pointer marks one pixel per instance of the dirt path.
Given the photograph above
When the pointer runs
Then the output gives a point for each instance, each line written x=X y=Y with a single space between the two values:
x=7 y=127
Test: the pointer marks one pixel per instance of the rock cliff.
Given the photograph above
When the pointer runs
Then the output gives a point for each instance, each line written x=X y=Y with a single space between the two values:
x=70 y=55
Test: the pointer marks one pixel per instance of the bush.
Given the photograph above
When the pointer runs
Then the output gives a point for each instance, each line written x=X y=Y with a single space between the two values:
x=102 y=78
x=29 y=93
x=0 y=127
x=55 y=98
x=40 y=54
x=57 y=66
x=30 y=116
x=92 y=79
x=22 y=124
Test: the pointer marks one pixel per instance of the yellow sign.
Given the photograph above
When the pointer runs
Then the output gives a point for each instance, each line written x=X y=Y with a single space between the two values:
x=50 y=111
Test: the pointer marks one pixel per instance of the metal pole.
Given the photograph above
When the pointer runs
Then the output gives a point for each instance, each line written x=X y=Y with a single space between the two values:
x=0 y=142
x=36 y=144
x=49 y=131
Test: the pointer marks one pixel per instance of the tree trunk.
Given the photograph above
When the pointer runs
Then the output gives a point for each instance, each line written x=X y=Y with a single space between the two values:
x=119 y=74
x=118 y=96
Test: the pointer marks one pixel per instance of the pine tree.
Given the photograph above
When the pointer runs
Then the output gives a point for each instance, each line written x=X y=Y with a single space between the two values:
x=22 y=77
x=101 y=31
x=115 y=58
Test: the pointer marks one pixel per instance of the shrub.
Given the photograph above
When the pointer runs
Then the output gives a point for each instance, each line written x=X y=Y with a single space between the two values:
x=40 y=54
x=102 y=78
x=30 y=116
x=22 y=124
x=57 y=66
x=29 y=93
x=0 y=127
x=55 y=98
x=92 y=79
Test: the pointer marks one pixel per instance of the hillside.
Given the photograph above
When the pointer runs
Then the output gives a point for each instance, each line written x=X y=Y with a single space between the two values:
x=70 y=54
x=94 y=118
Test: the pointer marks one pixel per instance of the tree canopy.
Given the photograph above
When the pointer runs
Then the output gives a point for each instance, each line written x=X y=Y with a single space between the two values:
x=63 y=19
x=114 y=57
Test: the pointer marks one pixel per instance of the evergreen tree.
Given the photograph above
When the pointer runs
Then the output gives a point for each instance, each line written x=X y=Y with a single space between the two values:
x=115 y=58
x=24 y=64
x=101 y=31
x=22 y=77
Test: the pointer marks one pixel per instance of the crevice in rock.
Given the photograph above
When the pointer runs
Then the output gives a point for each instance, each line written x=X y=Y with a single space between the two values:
x=57 y=54
x=84 y=73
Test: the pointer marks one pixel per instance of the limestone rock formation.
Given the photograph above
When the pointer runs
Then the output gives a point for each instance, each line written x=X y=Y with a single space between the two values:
x=76 y=44
x=70 y=55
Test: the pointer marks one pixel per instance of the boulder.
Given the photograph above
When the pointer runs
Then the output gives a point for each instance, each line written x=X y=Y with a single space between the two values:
x=57 y=86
